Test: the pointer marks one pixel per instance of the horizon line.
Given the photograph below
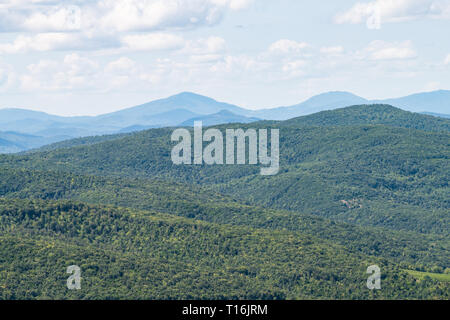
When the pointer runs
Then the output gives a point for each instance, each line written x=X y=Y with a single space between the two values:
x=32 y=109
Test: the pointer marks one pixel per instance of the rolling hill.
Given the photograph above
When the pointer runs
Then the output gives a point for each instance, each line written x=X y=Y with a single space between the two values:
x=11 y=142
x=130 y=254
x=358 y=186
x=378 y=164
x=372 y=115
x=440 y=115
x=199 y=203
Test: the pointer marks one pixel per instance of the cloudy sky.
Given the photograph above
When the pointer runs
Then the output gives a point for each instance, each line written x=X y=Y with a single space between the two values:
x=79 y=57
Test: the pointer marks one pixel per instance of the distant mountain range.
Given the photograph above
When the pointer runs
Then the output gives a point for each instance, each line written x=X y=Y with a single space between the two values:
x=24 y=129
x=11 y=142
x=221 y=117
x=321 y=102
x=440 y=115
x=437 y=102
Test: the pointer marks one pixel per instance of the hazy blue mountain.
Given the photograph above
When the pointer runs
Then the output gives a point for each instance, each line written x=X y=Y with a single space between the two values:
x=8 y=146
x=73 y=132
x=167 y=112
x=11 y=142
x=221 y=117
x=440 y=115
x=321 y=102
x=43 y=124
x=166 y=119
x=435 y=101
x=186 y=107
x=136 y=128
x=174 y=107
x=14 y=114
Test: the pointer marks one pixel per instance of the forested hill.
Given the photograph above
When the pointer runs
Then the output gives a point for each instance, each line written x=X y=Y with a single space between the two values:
x=391 y=174
x=372 y=114
x=377 y=114
x=357 y=186
x=131 y=254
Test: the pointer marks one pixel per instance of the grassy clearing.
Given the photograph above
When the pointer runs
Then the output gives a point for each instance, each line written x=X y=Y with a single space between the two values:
x=444 y=277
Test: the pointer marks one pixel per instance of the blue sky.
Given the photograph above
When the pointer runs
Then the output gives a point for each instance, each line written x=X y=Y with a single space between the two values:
x=81 y=57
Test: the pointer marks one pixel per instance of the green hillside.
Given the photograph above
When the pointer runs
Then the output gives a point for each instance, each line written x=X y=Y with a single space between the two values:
x=140 y=255
x=372 y=114
x=357 y=186
x=406 y=248
x=444 y=277
x=372 y=175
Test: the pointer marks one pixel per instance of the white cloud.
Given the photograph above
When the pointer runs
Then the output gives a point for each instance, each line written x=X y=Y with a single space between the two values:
x=77 y=65
x=332 y=50
x=7 y=76
x=59 y=18
x=381 y=50
x=239 y=4
x=111 y=25
x=40 y=16
x=73 y=72
x=155 y=41
x=113 y=15
x=286 y=46
x=204 y=50
x=145 y=15
x=210 y=45
x=432 y=86
x=295 y=68
x=55 y=41
x=121 y=66
x=205 y=46
x=152 y=42
x=447 y=59
x=376 y=12
x=120 y=72
x=76 y=73
x=238 y=65
x=40 y=42
x=208 y=59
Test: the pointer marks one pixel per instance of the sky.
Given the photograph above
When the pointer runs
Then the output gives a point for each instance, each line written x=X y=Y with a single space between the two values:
x=84 y=57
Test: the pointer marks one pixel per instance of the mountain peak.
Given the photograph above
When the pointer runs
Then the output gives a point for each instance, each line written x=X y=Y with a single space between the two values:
x=225 y=113
x=190 y=95
x=337 y=93
x=332 y=96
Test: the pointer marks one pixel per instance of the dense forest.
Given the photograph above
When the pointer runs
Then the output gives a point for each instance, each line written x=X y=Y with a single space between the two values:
x=133 y=254
x=358 y=186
